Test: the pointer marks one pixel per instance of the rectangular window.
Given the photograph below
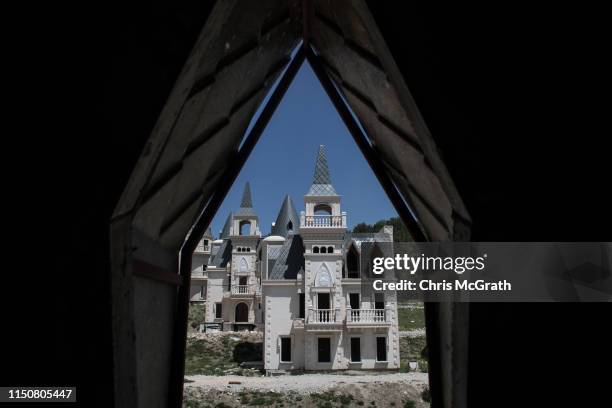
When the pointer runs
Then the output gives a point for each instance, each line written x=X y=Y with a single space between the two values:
x=379 y=301
x=202 y=292
x=285 y=349
x=218 y=310
x=324 y=348
x=302 y=306
x=355 y=349
x=381 y=349
x=354 y=300
x=323 y=301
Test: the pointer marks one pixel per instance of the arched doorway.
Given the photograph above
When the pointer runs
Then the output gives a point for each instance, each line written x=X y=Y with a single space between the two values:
x=242 y=313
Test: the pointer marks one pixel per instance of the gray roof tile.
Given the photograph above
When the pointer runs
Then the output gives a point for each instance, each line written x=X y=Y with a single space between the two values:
x=223 y=255
x=321 y=183
x=226 y=227
x=246 y=204
x=290 y=261
x=286 y=215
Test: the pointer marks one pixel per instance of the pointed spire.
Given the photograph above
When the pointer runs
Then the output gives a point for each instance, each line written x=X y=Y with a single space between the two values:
x=321 y=174
x=321 y=183
x=225 y=232
x=287 y=220
x=246 y=205
x=246 y=202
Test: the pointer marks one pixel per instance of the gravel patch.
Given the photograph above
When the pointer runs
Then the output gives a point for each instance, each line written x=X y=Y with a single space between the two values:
x=304 y=383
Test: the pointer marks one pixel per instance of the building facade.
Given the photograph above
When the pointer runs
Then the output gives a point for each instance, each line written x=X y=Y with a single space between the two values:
x=302 y=286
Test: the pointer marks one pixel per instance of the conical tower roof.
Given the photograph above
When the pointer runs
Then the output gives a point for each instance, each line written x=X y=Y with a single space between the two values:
x=246 y=204
x=287 y=219
x=225 y=232
x=208 y=233
x=321 y=183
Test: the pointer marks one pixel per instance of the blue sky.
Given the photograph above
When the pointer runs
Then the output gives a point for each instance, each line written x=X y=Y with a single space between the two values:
x=283 y=160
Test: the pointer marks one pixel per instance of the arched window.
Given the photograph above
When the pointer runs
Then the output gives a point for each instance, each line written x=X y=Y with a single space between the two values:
x=242 y=313
x=330 y=249
x=323 y=277
x=243 y=265
x=248 y=249
x=290 y=226
x=322 y=209
x=315 y=250
x=323 y=250
x=245 y=227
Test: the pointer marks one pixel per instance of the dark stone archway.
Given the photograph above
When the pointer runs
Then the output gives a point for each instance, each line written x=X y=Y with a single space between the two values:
x=241 y=313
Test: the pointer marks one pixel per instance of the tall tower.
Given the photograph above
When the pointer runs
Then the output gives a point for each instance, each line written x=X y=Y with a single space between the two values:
x=322 y=227
x=244 y=234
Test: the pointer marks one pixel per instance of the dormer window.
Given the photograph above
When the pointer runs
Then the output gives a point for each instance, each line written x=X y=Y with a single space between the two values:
x=289 y=226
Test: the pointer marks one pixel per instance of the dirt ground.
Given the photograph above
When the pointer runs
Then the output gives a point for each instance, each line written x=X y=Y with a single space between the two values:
x=346 y=391
x=214 y=377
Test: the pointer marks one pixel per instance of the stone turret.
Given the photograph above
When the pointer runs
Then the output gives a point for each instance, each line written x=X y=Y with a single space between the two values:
x=322 y=202
x=287 y=220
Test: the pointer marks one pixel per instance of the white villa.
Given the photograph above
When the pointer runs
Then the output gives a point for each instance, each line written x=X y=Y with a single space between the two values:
x=300 y=285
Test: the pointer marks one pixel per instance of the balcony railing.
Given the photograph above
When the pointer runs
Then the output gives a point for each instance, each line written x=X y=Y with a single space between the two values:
x=323 y=221
x=366 y=316
x=243 y=289
x=323 y=316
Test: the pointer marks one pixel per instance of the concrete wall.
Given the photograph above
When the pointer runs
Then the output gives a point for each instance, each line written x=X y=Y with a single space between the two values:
x=217 y=283
x=338 y=360
x=197 y=260
x=368 y=349
x=281 y=308
x=195 y=291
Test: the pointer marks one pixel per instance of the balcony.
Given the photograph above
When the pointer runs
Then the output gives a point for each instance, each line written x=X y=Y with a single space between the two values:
x=366 y=317
x=323 y=221
x=242 y=291
x=323 y=320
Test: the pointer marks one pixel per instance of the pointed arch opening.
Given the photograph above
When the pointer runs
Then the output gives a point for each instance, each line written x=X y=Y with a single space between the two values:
x=324 y=278
x=223 y=170
x=243 y=265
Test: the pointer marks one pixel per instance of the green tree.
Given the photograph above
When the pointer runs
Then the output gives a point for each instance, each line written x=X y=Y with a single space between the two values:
x=400 y=232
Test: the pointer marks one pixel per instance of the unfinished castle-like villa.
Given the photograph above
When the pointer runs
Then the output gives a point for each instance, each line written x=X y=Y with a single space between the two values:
x=300 y=285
